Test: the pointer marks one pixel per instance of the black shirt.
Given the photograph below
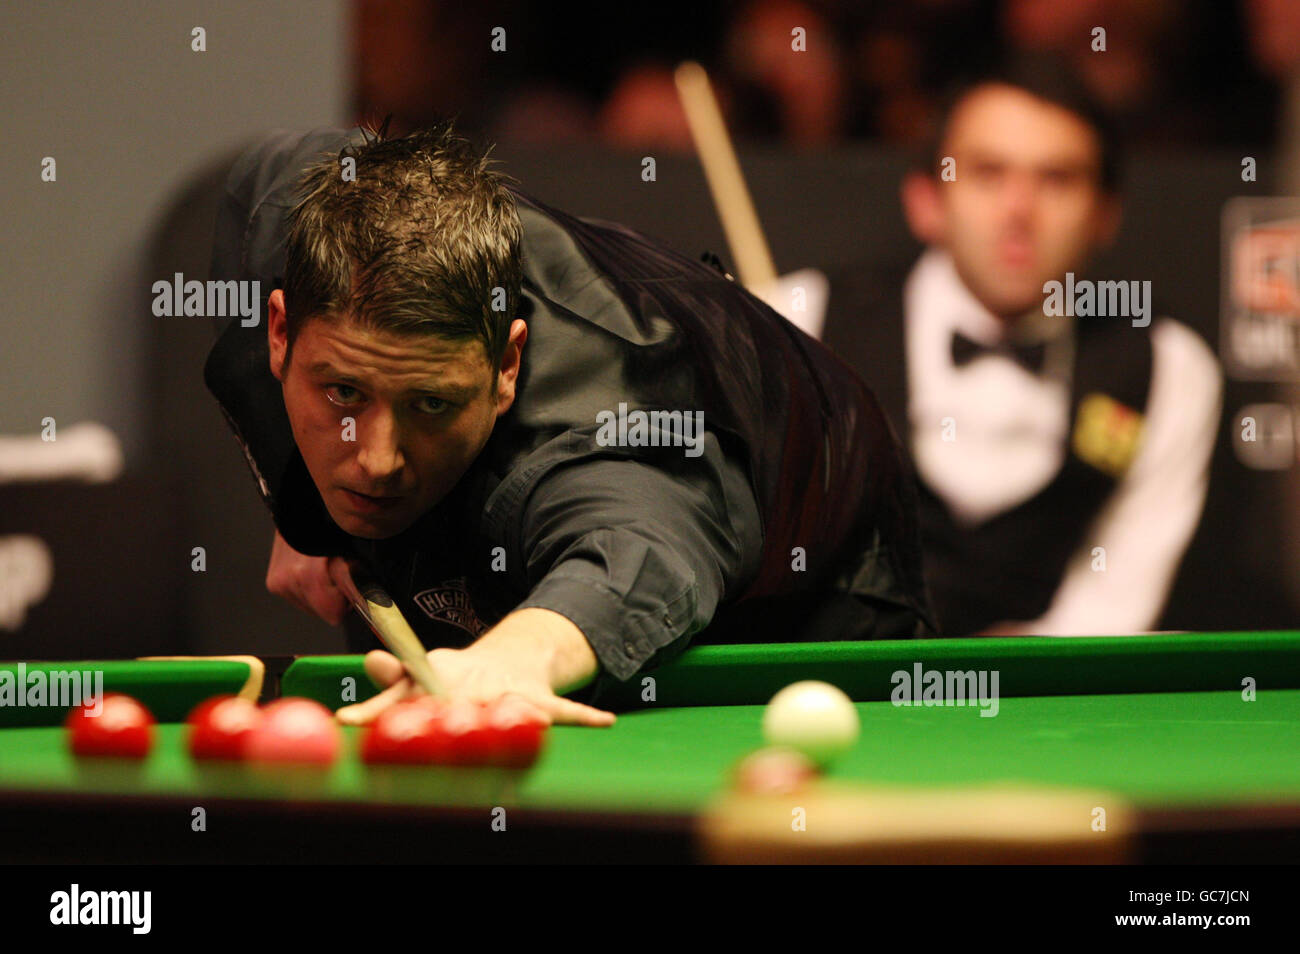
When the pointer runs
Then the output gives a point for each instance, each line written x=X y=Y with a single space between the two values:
x=639 y=546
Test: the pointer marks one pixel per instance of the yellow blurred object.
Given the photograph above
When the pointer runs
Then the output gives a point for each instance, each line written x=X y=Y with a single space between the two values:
x=1106 y=434
x=837 y=823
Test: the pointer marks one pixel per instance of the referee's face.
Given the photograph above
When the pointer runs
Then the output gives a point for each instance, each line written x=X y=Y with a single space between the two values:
x=1026 y=205
x=386 y=424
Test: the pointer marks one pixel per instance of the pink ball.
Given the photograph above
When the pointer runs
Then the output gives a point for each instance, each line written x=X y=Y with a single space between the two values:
x=295 y=730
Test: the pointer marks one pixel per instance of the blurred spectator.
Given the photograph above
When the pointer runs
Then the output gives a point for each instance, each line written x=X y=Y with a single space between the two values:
x=1274 y=32
x=420 y=60
x=900 y=57
x=545 y=114
x=1174 y=73
x=887 y=64
x=1273 y=29
x=644 y=111
x=604 y=70
x=797 y=94
x=1136 y=77
x=1062 y=461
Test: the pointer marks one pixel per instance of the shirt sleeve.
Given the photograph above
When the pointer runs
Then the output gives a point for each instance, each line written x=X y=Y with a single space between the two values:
x=639 y=555
x=1149 y=520
x=250 y=229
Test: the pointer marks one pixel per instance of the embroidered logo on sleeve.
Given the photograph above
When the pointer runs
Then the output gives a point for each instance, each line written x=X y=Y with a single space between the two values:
x=450 y=603
x=1106 y=434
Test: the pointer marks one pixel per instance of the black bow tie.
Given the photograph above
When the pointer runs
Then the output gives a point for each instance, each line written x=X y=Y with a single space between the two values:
x=1028 y=356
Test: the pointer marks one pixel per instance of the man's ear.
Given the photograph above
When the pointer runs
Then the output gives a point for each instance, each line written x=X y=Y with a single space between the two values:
x=923 y=207
x=277 y=333
x=511 y=361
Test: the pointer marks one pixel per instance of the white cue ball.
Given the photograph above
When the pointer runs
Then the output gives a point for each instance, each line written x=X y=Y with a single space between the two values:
x=814 y=717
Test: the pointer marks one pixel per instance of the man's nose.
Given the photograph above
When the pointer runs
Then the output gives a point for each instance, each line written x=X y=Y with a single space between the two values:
x=379 y=442
x=1020 y=196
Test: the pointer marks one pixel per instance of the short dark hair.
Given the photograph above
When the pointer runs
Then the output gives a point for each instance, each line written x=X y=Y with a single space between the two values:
x=1045 y=76
x=417 y=244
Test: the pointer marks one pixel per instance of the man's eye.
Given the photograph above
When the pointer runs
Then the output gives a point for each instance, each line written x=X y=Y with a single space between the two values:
x=1059 y=178
x=431 y=405
x=342 y=394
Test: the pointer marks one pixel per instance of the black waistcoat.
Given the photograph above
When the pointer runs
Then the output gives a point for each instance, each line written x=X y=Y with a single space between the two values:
x=825 y=464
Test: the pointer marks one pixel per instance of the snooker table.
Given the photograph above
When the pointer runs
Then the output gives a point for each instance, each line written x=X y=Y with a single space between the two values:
x=1156 y=730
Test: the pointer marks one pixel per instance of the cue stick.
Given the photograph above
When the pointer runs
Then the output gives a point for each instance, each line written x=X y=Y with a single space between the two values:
x=722 y=170
x=380 y=611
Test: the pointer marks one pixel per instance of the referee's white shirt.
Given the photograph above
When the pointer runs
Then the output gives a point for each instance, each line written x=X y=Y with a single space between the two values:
x=1011 y=439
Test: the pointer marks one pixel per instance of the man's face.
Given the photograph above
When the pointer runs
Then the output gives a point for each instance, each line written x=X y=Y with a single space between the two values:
x=423 y=408
x=1026 y=205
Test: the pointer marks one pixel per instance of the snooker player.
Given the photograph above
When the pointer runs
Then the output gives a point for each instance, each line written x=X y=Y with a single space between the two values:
x=1062 y=460
x=433 y=400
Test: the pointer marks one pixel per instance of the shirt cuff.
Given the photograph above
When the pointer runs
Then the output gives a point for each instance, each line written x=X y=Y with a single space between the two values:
x=623 y=638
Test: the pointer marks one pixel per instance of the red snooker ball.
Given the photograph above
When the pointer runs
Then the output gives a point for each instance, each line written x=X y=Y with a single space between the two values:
x=431 y=731
x=220 y=727
x=517 y=732
x=295 y=730
x=774 y=771
x=116 y=726
x=407 y=733
x=463 y=734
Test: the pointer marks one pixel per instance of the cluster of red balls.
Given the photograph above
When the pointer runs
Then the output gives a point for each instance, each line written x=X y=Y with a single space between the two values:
x=428 y=731
x=422 y=731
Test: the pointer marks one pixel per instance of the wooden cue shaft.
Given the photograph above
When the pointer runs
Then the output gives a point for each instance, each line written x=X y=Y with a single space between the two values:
x=379 y=610
x=722 y=170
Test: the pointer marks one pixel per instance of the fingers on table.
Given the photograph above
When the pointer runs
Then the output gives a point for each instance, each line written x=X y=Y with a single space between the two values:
x=383 y=668
x=363 y=713
x=387 y=672
x=567 y=712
